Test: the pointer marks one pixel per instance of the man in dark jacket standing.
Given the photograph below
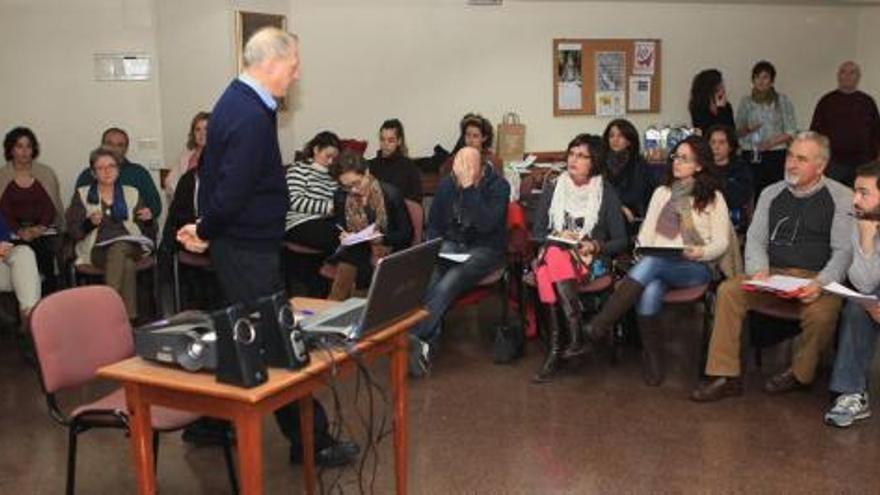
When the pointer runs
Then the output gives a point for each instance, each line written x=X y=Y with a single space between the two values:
x=469 y=212
x=242 y=200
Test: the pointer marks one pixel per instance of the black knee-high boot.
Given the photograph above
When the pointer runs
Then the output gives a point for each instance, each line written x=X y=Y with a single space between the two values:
x=622 y=299
x=651 y=330
x=569 y=299
x=554 y=350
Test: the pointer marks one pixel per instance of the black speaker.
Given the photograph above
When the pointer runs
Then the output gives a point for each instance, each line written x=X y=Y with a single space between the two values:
x=282 y=341
x=239 y=357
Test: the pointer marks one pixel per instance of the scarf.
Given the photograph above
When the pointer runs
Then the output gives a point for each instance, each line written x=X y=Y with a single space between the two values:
x=575 y=207
x=118 y=210
x=768 y=97
x=357 y=215
x=676 y=218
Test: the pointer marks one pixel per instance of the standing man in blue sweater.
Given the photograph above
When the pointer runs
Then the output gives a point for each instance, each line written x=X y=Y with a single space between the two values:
x=242 y=199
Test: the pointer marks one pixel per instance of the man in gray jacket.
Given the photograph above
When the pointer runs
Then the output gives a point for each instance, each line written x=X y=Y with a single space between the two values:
x=801 y=228
x=861 y=321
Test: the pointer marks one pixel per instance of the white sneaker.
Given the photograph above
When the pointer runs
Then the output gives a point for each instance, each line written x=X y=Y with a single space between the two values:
x=848 y=409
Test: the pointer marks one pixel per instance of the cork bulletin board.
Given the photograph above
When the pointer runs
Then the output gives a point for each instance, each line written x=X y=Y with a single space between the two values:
x=606 y=77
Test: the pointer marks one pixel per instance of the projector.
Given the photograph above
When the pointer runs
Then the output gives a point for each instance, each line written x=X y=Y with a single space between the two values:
x=187 y=339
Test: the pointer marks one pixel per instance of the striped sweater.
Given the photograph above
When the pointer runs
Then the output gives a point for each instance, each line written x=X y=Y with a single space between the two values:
x=310 y=189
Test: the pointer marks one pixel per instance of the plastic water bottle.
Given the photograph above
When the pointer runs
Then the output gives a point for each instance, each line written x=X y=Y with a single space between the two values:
x=756 y=142
x=652 y=142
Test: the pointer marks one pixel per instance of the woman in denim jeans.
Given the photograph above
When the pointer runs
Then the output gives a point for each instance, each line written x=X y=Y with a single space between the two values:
x=687 y=211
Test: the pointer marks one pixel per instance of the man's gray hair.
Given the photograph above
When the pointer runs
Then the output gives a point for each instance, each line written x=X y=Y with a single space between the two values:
x=821 y=141
x=267 y=43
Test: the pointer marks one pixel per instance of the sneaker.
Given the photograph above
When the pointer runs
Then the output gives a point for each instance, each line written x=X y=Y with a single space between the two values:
x=419 y=361
x=848 y=409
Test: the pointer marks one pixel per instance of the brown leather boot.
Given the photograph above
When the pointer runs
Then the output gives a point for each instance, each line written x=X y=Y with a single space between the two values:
x=622 y=299
x=569 y=300
x=554 y=350
x=653 y=369
x=343 y=283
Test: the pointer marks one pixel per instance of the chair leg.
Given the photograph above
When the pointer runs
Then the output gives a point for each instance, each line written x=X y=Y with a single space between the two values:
x=175 y=284
x=230 y=465
x=72 y=433
x=157 y=303
x=155 y=452
x=504 y=290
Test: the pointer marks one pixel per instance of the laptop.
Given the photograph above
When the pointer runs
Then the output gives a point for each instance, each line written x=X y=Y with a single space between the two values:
x=399 y=283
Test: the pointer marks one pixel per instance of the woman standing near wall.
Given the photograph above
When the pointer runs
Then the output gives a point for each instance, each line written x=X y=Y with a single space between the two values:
x=708 y=104
x=765 y=123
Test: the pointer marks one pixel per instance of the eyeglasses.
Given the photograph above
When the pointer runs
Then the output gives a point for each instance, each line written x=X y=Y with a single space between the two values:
x=579 y=156
x=681 y=158
x=358 y=184
x=788 y=235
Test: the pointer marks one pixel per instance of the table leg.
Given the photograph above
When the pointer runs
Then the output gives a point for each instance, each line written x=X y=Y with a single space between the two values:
x=307 y=437
x=248 y=432
x=141 y=432
x=398 y=387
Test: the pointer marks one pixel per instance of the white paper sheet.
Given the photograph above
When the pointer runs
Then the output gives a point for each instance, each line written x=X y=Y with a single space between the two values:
x=779 y=283
x=639 y=93
x=368 y=234
x=843 y=291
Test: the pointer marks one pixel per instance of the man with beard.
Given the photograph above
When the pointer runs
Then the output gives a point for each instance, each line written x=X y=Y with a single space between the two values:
x=861 y=322
x=801 y=227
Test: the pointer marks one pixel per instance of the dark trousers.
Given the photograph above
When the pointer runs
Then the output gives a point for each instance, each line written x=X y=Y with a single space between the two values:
x=770 y=169
x=248 y=270
x=320 y=234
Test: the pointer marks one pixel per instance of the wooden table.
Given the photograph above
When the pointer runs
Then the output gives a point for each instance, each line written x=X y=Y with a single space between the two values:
x=148 y=384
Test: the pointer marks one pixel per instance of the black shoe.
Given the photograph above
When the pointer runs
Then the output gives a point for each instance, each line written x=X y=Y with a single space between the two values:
x=341 y=453
x=209 y=432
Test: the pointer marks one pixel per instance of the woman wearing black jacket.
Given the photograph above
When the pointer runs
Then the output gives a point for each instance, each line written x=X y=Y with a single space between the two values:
x=362 y=201
x=627 y=171
x=735 y=173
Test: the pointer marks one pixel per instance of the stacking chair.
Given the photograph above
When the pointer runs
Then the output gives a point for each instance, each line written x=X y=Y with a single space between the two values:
x=190 y=259
x=75 y=332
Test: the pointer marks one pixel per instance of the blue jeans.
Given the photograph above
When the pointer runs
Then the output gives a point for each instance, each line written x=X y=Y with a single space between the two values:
x=657 y=275
x=855 y=350
x=450 y=280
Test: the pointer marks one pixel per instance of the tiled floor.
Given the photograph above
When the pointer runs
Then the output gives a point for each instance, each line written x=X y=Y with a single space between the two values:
x=480 y=428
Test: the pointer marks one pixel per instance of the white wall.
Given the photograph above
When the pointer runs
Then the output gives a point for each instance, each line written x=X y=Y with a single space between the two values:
x=46 y=51
x=197 y=61
x=430 y=61
x=424 y=61
x=868 y=49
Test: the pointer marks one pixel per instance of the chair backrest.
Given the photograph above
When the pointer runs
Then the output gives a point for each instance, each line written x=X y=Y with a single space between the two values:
x=76 y=331
x=417 y=219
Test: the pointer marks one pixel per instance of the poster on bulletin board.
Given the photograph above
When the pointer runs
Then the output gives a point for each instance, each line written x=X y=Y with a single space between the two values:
x=606 y=77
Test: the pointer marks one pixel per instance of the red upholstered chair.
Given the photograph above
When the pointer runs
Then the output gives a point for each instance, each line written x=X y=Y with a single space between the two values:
x=787 y=316
x=355 y=145
x=75 y=332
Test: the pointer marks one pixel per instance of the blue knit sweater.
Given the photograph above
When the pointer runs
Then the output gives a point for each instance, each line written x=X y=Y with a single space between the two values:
x=242 y=193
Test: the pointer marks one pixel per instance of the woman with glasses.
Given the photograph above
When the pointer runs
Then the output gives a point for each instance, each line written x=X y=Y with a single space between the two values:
x=102 y=221
x=583 y=212
x=687 y=211
x=310 y=221
x=363 y=201
x=626 y=170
